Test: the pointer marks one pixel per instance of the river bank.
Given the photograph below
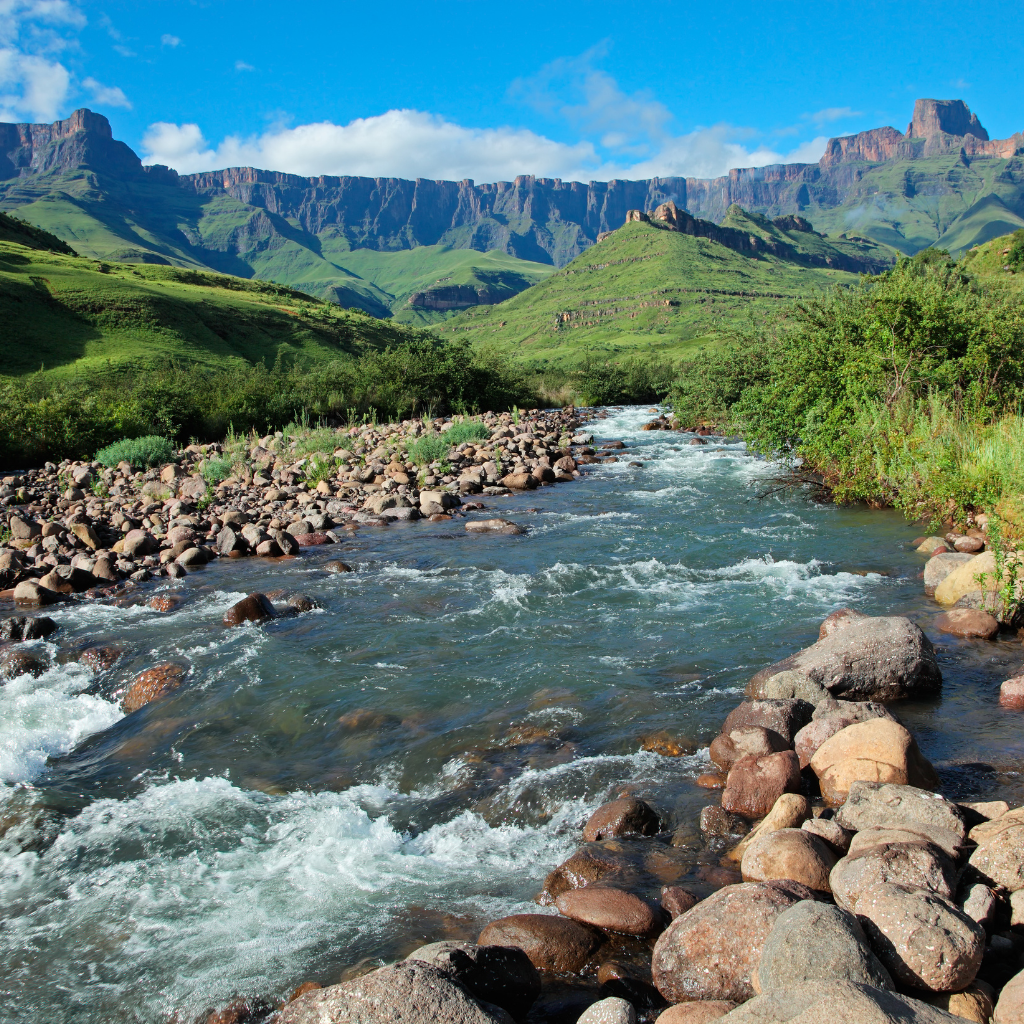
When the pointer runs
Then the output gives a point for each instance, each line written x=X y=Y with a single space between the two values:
x=514 y=680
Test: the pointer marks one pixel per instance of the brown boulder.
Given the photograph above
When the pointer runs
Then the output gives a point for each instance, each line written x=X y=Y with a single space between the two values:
x=789 y=853
x=755 y=783
x=830 y=718
x=254 y=608
x=840 y=618
x=713 y=950
x=973 y=1003
x=611 y=910
x=1010 y=1005
x=783 y=717
x=726 y=750
x=999 y=857
x=972 y=623
x=30 y=594
x=696 y=1013
x=551 y=943
x=879 y=750
x=676 y=900
x=627 y=816
x=789 y=811
x=152 y=684
x=16 y=661
x=1011 y=693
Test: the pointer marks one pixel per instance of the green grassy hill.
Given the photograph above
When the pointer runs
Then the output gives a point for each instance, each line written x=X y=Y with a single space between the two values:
x=67 y=314
x=644 y=290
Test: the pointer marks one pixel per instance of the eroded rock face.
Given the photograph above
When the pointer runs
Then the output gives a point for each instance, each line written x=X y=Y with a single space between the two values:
x=502 y=975
x=876 y=658
x=999 y=858
x=924 y=940
x=713 y=950
x=551 y=943
x=817 y=942
x=407 y=993
x=837 y=1002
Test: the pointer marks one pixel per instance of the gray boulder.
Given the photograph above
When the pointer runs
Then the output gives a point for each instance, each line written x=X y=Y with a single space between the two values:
x=937 y=568
x=875 y=658
x=838 y=1002
x=502 y=975
x=609 y=1011
x=817 y=942
x=924 y=940
x=920 y=865
x=407 y=993
x=894 y=806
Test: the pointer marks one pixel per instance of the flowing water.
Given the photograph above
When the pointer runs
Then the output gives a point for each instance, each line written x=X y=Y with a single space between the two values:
x=408 y=761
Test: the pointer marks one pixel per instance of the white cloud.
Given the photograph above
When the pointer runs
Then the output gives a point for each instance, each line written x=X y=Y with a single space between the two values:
x=829 y=114
x=31 y=86
x=178 y=146
x=240 y=65
x=168 y=40
x=106 y=95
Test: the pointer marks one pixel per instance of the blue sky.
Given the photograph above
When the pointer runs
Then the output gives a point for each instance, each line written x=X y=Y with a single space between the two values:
x=468 y=88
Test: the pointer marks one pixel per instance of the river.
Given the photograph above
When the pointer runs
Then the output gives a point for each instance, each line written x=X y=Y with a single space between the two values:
x=408 y=761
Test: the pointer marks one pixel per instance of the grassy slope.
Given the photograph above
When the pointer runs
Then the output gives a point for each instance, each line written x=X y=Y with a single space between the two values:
x=615 y=296
x=400 y=274
x=67 y=313
x=910 y=204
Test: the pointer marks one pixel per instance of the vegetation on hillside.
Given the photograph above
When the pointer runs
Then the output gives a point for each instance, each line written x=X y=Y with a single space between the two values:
x=903 y=391
x=643 y=291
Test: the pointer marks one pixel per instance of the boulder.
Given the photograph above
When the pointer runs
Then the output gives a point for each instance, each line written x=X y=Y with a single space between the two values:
x=786 y=685
x=17 y=661
x=229 y=540
x=924 y=939
x=1011 y=693
x=920 y=865
x=999 y=857
x=837 y=1002
x=254 y=608
x=152 y=684
x=23 y=528
x=837 y=620
x=879 y=835
x=139 y=543
x=583 y=868
x=938 y=568
x=87 y=535
x=755 y=783
x=831 y=831
x=973 y=1003
x=972 y=623
x=502 y=975
x=1010 y=1005
x=609 y=1011
x=406 y=993
x=791 y=810
x=895 y=806
x=963 y=581
x=502 y=526
x=713 y=950
x=884 y=658
x=676 y=900
x=611 y=910
x=789 y=853
x=551 y=943
x=814 y=941
x=981 y=904
x=29 y=594
x=932 y=545
x=696 y=1013
x=726 y=750
x=25 y=627
x=878 y=750
x=832 y=717
x=783 y=717
x=627 y=816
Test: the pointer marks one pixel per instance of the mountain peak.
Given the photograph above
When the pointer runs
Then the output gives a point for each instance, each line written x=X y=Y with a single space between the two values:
x=953 y=117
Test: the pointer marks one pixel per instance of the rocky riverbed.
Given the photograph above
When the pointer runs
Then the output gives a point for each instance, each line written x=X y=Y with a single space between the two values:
x=779 y=854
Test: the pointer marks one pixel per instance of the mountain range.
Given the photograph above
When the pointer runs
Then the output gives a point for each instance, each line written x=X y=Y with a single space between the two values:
x=423 y=250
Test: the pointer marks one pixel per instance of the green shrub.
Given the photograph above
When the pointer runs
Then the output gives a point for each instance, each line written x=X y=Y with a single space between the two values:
x=216 y=470
x=632 y=381
x=319 y=467
x=428 y=448
x=138 y=452
x=472 y=430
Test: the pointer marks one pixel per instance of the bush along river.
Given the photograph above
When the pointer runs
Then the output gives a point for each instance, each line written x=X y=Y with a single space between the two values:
x=411 y=759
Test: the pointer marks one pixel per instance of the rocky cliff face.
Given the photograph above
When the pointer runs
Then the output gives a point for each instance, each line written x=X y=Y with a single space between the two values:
x=542 y=219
